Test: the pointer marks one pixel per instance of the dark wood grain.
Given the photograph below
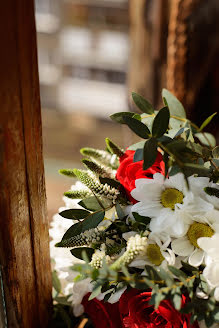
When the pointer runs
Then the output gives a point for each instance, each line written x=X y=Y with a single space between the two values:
x=24 y=246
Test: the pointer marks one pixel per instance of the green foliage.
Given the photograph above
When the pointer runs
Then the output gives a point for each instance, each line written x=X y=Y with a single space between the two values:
x=119 y=117
x=207 y=121
x=74 y=214
x=142 y=103
x=77 y=252
x=136 y=126
x=212 y=191
x=161 y=122
x=175 y=106
x=150 y=153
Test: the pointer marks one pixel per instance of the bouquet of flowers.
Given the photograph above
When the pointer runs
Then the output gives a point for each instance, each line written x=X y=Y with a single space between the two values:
x=143 y=225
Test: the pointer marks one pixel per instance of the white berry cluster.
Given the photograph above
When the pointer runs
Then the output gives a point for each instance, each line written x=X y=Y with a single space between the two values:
x=97 y=259
x=136 y=246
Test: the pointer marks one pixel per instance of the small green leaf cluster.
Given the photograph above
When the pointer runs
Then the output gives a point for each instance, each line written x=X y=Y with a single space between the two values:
x=184 y=145
x=168 y=284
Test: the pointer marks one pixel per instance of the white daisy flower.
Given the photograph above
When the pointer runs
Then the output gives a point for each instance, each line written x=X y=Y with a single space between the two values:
x=197 y=186
x=157 y=253
x=199 y=226
x=211 y=271
x=168 y=202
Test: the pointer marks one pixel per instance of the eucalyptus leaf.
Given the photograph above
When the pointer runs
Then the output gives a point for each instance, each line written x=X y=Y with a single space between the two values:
x=142 y=103
x=175 y=106
x=77 y=252
x=74 y=214
x=91 y=204
x=207 y=121
x=137 y=145
x=161 y=122
x=150 y=153
x=174 y=170
x=118 y=117
x=177 y=301
x=206 y=139
x=142 y=219
x=191 y=168
x=120 y=212
x=138 y=156
x=138 y=127
x=95 y=292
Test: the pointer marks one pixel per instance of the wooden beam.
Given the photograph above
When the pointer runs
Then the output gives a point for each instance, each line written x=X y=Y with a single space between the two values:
x=25 y=287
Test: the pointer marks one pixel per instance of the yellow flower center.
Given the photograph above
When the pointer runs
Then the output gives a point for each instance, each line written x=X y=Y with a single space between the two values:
x=170 y=197
x=154 y=254
x=197 y=230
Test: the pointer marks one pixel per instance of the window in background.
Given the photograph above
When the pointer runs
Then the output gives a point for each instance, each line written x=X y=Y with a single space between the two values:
x=83 y=49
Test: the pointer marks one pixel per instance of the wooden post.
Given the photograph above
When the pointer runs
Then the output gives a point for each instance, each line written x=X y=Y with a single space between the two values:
x=148 y=36
x=25 y=278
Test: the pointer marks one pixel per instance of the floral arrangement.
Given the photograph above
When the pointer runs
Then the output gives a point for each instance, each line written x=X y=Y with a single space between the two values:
x=143 y=226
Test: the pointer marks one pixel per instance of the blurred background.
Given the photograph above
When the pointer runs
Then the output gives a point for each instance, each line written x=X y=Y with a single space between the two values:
x=93 y=53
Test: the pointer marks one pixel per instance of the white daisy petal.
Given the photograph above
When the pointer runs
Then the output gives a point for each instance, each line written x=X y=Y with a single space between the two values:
x=196 y=258
x=211 y=274
x=182 y=246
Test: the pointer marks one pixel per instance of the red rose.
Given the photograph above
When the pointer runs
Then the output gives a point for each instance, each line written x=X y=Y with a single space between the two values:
x=136 y=312
x=102 y=314
x=129 y=171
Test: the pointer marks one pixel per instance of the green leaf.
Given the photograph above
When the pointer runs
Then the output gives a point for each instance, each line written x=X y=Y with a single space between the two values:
x=166 y=277
x=142 y=103
x=191 y=168
x=189 y=267
x=177 y=301
x=152 y=273
x=174 y=170
x=62 y=300
x=206 y=139
x=150 y=153
x=74 y=230
x=95 y=292
x=138 y=156
x=56 y=282
x=118 y=117
x=74 y=214
x=137 y=117
x=215 y=152
x=77 y=252
x=161 y=122
x=137 y=127
x=92 y=220
x=177 y=272
x=175 y=106
x=91 y=203
x=120 y=212
x=137 y=145
x=141 y=219
x=212 y=191
x=207 y=121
